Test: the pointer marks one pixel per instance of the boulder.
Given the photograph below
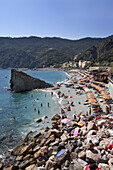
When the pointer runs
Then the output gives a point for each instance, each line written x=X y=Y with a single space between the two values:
x=31 y=167
x=39 y=120
x=82 y=155
x=21 y=82
x=17 y=150
x=56 y=117
x=51 y=163
x=60 y=160
x=101 y=122
x=111 y=163
x=44 y=117
x=92 y=156
x=37 y=135
x=104 y=166
x=64 y=137
x=91 y=126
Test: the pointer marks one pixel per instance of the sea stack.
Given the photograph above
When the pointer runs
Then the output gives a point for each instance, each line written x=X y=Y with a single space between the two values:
x=21 y=82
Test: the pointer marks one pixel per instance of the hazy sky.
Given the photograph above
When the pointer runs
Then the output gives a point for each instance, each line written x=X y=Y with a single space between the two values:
x=72 y=19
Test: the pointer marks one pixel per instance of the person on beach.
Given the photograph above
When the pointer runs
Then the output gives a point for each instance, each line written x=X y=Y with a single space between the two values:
x=107 y=110
x=13 y=117
x=38 y=111
x=89 y=111
x=48 y=104
x=41 y=104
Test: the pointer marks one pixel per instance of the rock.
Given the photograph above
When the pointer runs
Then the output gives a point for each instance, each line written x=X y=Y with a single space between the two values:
x=19 y=158
x=69 y=146
x=27 y=157
x=91 y=126
x=42 y=142
x=64 y=138
x=101 y=122
x=54 y=125
x=56 y=132
x=56 y=117
x=1 y=165
x=104 y=159
x=41 y=152
x=60 y=160
x=76 y=165
x=17 y=150
x=102 y=152
x=51 y=139
x=26 y=163
x=54 y=143
x=26 y=138
x=111 y=163
x=39 y=120
x=92 y=132
x=12 y=168
x=73 y=155
x=67 y=163
x=37 y=135
x=92 y=156
x=104 y=166
x=21 y=82
x=36 y=148
x=79 y=143
x=40 y=163
x=82 y=155
x=27 y=148
x=31 y=167
x=46 y=128
x=51 y=163
x=44 y=117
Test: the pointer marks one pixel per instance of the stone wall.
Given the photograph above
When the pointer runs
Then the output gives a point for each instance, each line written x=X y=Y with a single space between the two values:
x=21 y=82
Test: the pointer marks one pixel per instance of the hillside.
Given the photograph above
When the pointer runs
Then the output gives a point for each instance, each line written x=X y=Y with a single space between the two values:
x=34 y=52
x=102 y=54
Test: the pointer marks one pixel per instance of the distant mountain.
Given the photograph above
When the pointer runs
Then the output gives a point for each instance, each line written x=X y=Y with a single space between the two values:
x=102 y=54
x=34 y=52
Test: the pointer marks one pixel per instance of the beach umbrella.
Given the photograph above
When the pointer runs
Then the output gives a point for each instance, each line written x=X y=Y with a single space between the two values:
x=65 y=120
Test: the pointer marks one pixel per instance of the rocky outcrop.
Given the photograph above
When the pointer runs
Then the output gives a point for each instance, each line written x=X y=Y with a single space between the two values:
x=21 y=82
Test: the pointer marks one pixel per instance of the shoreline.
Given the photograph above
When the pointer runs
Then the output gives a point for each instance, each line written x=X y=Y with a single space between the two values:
x=76 y=146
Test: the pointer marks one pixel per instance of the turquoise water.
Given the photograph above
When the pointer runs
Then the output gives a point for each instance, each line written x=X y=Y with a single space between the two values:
x=21 y=106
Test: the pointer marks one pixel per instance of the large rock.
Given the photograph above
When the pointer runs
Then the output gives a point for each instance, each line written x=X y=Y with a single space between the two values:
x=21 y=82
x=92 y=155
x=104 y=166
x=91 y=126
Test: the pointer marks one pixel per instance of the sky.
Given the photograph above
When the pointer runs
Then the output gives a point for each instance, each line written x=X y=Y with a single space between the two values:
x=70 y=19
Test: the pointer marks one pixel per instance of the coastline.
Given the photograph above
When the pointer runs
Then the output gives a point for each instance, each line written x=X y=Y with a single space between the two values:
x=55 y=137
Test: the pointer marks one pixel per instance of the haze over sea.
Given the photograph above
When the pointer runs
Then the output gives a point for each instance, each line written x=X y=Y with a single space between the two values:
x=21 y=106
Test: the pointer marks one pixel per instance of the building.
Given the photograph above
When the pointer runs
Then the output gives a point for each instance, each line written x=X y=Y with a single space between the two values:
x=82 y=64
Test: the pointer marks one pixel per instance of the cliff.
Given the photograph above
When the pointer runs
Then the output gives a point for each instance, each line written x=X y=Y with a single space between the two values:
x=21 y=82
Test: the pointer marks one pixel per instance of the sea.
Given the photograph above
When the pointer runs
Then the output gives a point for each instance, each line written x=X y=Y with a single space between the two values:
x=19 y=111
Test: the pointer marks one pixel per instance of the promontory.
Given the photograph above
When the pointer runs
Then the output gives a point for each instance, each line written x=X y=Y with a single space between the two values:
x=21 y=82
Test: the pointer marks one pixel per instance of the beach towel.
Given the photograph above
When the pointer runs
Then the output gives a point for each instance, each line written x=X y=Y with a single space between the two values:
x=75 y=132
x=61 y=153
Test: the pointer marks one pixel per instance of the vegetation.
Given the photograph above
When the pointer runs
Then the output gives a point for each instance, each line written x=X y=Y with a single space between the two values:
x=101 y=55
x=33 y=52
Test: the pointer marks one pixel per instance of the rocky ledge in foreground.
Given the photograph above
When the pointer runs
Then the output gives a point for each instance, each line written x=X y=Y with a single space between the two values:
x=21 y=82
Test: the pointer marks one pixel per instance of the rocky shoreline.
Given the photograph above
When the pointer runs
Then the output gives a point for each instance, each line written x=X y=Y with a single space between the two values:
x=71 y=144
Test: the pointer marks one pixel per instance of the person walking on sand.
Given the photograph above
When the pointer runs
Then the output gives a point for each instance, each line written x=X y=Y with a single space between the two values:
x=48 y=104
